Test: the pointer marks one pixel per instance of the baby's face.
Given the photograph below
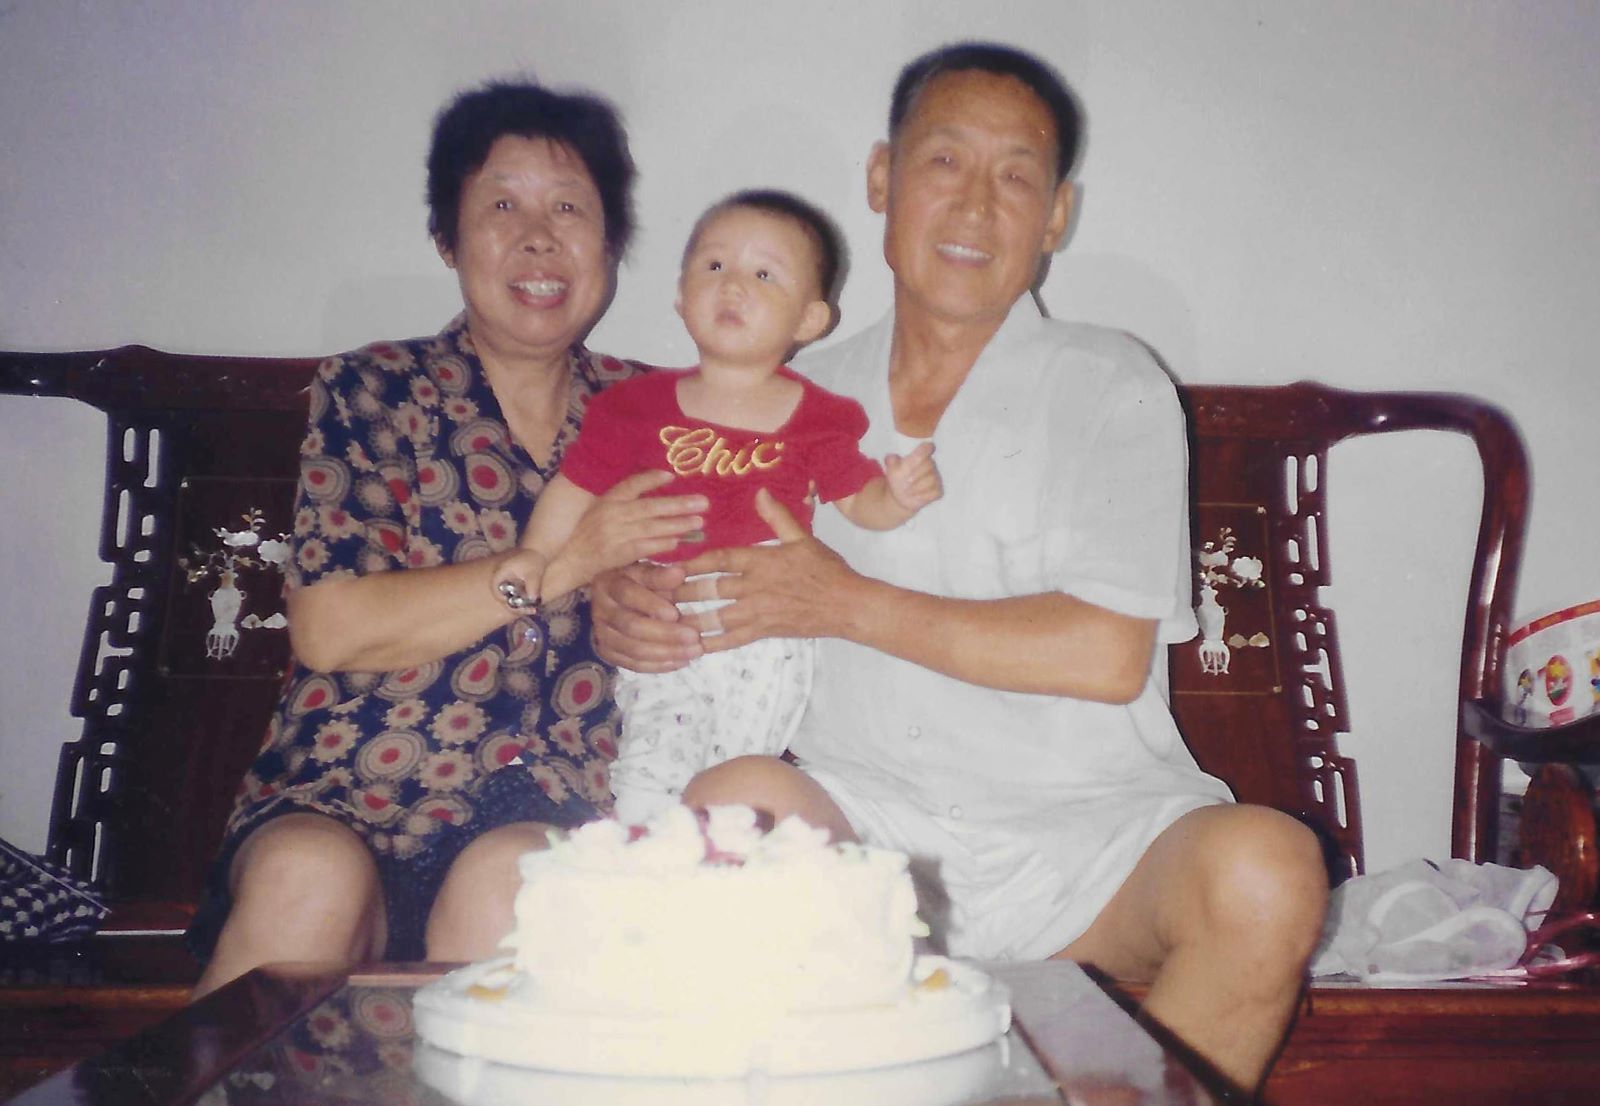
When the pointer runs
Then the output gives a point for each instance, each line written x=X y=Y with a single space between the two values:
x=749 y=291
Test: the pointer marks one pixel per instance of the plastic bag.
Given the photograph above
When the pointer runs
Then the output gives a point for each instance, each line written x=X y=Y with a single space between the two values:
x=1426 y=921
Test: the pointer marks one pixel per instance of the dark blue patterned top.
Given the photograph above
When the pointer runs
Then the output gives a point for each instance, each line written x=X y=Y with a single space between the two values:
x=408 y=463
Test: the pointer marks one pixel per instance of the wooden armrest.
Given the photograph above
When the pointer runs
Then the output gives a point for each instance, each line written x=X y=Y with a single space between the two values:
x=1575 y=742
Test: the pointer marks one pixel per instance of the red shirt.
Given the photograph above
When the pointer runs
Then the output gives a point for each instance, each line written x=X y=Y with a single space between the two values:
x=637 y=424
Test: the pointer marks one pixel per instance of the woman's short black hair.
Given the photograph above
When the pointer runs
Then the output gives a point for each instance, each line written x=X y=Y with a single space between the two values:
x=824 y=235
x=469 y=125
x=1004 y=61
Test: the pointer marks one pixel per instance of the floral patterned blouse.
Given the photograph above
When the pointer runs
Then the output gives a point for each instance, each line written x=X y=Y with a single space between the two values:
x=409 y=463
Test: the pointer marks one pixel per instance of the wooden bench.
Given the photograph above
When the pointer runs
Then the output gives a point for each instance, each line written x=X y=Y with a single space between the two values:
x=175 y=687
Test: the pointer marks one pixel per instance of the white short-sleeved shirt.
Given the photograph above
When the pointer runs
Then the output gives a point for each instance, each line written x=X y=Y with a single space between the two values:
x=1065 y=469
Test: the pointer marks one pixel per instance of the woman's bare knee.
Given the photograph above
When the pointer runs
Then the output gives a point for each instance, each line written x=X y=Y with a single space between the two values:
x=304 y=887
x=474 y=908
x=301 y=849
x=771 y=785
x=314 y=883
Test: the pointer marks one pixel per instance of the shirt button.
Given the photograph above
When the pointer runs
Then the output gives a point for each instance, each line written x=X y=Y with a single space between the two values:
x=955 y=812
x=914 y=732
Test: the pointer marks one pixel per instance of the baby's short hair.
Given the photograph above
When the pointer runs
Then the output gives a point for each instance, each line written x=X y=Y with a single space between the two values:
x=820 y=229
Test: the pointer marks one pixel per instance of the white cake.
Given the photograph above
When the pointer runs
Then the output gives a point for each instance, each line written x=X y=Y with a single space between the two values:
x=780 y=920
x=693 y=947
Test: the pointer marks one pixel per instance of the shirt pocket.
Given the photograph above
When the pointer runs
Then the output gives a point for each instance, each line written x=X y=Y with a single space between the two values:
x=1030 y=564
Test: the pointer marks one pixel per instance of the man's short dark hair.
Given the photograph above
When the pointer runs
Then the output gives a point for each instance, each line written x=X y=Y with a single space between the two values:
x=471 y=123
x=824 y=235
x=1004 y=61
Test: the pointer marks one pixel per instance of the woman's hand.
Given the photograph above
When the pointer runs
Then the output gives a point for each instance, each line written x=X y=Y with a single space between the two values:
x=620 y=527
x=636 y=625
x=798 y=588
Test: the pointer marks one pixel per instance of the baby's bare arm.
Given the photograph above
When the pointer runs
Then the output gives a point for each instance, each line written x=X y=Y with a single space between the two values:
x=520 y=576
x=555 y=516
x=909 y=484
x=583 y=535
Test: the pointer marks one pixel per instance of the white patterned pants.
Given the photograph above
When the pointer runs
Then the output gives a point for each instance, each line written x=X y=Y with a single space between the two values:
x=723 y=705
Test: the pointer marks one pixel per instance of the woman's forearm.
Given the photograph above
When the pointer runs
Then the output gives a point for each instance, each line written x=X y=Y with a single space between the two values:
x=391 y=620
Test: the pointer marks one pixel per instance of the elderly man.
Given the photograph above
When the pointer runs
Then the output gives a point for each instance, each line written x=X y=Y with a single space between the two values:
x=990 y=695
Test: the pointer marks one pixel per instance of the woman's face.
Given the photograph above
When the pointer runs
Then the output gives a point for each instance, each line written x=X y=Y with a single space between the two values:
x=530 y=251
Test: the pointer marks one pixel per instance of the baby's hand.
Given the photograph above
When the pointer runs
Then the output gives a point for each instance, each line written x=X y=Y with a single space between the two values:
x=913 y=479
x=517 y=579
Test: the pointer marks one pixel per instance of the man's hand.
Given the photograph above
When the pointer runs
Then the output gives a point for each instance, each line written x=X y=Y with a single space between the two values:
x=798 y=588
x=914 y=479
x=636 y=625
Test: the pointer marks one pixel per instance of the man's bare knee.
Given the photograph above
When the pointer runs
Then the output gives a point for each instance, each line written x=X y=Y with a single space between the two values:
x=1238 y=894
x=1265 y=877
x=738 y=780
x=772 y=785
x=1247 y=882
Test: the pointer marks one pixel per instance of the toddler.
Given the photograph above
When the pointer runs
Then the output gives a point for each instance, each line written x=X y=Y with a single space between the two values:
x=755 y=285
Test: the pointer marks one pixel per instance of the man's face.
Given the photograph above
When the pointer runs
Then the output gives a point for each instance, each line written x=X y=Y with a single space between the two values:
x=971 y=197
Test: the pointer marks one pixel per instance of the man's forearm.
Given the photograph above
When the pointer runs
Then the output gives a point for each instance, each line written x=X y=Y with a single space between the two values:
x=1049 y=644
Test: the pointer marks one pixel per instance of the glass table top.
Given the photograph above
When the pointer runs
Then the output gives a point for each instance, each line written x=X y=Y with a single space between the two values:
x=357 y=1046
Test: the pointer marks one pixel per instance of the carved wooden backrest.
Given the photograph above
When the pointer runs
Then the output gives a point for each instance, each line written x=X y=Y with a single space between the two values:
x=1261 y=697
x=182 y=661
x=182 y=654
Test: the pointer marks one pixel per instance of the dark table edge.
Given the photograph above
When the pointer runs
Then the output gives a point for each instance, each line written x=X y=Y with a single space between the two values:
x=181 y=1057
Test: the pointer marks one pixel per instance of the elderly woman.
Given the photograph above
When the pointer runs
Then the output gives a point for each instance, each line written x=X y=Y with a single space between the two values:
x=428 y=734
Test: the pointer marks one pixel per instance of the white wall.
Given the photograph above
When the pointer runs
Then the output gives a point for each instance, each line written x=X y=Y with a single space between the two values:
x=1374 y=194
